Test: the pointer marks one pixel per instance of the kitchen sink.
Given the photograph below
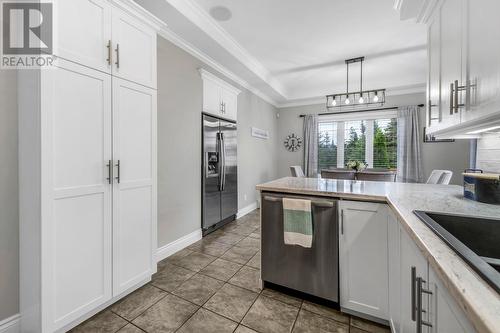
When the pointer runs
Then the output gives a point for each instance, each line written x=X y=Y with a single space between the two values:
x=475 y=239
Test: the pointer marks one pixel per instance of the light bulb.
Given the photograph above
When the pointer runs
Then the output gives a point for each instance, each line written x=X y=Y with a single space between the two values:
x=361 y=100
x=375 y=98
x=347 y=101
x=334 y=102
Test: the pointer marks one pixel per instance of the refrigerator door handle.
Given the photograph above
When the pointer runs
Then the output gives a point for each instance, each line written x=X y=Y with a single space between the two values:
x=223 y=173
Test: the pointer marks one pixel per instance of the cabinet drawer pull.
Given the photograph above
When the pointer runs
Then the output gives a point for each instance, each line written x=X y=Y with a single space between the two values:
x=118 y=176
x=117 y=63
x=413 y=293
x=451 y=98
x=273 y=199
x=322 y=204
x=456 y=96
x=109 y=52
x=110 y=171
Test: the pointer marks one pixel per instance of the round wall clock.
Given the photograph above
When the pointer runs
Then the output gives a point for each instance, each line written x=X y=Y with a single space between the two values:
x=293 y=142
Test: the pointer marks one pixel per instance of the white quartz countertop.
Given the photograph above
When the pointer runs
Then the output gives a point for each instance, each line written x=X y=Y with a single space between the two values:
x=475 y=297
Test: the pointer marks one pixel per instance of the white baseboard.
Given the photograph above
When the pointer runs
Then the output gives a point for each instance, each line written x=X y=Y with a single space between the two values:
x=11 y=324
x=177 y=245
x=245 y=210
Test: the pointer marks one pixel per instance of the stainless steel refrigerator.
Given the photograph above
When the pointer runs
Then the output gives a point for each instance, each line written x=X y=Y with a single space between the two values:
x=219 y=173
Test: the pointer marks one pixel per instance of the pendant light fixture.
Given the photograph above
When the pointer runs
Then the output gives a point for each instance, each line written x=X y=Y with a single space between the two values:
x=361 y=97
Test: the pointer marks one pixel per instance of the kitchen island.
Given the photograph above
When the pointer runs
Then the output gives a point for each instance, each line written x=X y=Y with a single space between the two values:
x=472 y=295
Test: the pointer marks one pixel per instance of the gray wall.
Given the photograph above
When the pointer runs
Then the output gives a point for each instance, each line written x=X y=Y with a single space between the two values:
x=451 y=156
x=9 y=221
x=488 y=153
x=179 y=143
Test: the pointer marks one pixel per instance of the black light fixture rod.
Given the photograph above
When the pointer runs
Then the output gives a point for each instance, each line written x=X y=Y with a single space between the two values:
x=354 y=111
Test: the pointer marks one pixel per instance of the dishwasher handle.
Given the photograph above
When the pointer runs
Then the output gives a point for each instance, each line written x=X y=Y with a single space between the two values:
x=322 y=204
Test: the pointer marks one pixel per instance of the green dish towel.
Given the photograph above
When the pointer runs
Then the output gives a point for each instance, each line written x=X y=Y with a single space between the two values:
x=297 y=222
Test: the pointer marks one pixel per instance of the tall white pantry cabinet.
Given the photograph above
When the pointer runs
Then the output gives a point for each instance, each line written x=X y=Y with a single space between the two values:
x=88 y=165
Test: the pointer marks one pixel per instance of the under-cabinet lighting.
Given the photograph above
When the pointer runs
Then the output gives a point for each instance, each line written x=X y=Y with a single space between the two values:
x=484 y=130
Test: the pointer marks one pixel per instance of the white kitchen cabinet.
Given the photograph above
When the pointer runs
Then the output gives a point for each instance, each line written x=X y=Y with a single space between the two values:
x=464 y=74
x=363 y=258
x=483 y=75
x=413 y=265
x=87 y=225
x=394 y=263
x=134 y=193
x=134 y=56
x=83 y=33
x=76 y=254
x=219 y=98
x=445 y=315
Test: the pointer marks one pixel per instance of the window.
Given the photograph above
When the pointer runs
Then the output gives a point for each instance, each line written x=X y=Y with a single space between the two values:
x=368 y=137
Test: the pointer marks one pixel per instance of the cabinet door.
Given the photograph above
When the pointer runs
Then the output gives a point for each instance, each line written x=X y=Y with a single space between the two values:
x=446 y=316
x=134 y=193
x=212 y=98
x=83 y=32
x=410 y=257
x=483 y=79
x=394 y=271
x=134 y=50
x=434 y=78
x=363 y=258
x=451 y=59
x=230 y=100
x=76 y=237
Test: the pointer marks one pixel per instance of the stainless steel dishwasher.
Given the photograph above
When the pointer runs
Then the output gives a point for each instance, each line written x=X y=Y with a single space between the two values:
x=314 y=270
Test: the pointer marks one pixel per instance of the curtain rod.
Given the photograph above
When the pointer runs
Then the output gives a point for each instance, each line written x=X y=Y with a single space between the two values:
x=354 y=111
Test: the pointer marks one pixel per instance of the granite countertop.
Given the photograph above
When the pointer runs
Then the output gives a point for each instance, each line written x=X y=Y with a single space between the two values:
x=474 y=296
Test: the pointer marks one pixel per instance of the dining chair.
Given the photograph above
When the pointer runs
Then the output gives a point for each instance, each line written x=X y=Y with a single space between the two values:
x=378 y=176
x=441 y=177
x=338 y=174
x=297 y=171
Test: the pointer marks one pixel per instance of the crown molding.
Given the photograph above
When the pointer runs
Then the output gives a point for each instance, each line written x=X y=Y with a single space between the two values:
x=193 y=12
x=175 y=39
x=134 y=9
x=419 y=10
x=206 y=75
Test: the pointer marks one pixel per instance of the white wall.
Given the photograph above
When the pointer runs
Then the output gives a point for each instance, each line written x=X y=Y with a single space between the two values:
x=179 y=143
x=9 y=218
x=451 y=156
x=488 y=153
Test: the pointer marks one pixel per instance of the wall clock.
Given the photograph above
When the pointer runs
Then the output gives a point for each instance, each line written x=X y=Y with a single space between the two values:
x=293 y=142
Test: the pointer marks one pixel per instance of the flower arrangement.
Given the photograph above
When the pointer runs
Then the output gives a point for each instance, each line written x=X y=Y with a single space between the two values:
x=357 y=165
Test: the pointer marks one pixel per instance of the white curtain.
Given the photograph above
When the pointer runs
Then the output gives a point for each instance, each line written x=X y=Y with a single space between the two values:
x=311 y=145
x=409 y=160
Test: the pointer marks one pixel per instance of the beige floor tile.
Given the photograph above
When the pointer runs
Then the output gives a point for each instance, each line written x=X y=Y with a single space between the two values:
x=231 y=302
x=198 y=289
x=166 y=316
x=270 y=316
x=171 y=277
x=208 y=322
x=240 y=255
x=130 y=329
x=103 y=322
x=290 y=300
x=248 y=278
x=137 y=302
x=255 y=261
x=221 y=269
x=326 y=312
x=368 y=326
x=195 y=261
x=308 y=322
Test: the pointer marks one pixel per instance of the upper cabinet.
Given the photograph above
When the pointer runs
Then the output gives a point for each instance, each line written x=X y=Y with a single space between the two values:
x=463 y=90
x=219 y=98
x=96 y=34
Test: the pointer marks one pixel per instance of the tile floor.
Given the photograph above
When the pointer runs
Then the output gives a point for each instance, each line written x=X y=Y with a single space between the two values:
x=213 y=286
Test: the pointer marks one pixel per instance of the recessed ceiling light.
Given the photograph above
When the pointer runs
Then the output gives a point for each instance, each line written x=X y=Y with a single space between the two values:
x=221 y=13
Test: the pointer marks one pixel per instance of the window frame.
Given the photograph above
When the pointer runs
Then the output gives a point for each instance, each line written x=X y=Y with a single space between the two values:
x=369 y=117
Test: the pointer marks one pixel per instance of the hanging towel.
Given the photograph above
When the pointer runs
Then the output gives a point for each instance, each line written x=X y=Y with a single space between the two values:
x=297 y=222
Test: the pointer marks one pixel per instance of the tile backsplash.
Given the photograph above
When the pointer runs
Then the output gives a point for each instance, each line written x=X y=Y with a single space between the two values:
x=488 y=153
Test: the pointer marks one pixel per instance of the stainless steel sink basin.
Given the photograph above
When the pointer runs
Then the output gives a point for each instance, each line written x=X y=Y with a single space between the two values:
x=475 y=239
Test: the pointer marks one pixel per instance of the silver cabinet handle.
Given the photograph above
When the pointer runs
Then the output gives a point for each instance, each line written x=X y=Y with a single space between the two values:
x=342 y=222
x=451 y=98
x=455 y=102
x=109 y=52
x=118 y=174
x=322 y=204
x=420 y=310
x=413 y=293
x=117 y=63
x=110 y=171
